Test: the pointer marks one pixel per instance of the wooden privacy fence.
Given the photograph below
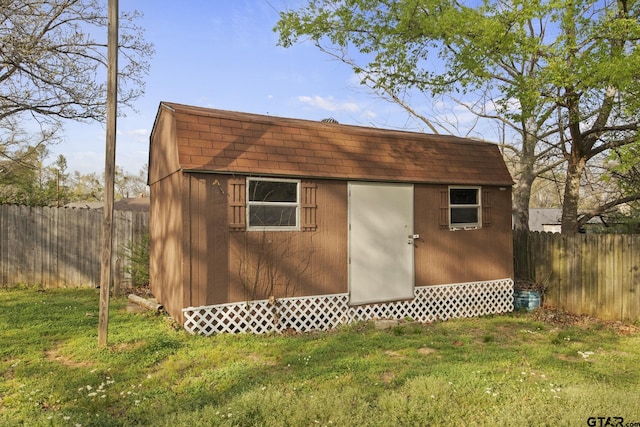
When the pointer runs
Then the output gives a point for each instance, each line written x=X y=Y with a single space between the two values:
x=594 y=274
x=57 y=247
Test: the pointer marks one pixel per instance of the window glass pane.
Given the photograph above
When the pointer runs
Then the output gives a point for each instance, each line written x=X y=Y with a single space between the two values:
x=463 y=196
x=268 y=216
x=464 y=215
x=273 y=191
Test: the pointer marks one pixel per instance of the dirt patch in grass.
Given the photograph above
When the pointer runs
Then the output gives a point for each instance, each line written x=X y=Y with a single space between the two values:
x=54 y=355
x=554 y=316
x=394 y=354
x=426 y=350
x=258 y=359
x=128 y=346
x=567 y=358
x=387 y=377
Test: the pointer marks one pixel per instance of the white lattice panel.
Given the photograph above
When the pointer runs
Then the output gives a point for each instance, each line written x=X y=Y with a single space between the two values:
x=325 y=312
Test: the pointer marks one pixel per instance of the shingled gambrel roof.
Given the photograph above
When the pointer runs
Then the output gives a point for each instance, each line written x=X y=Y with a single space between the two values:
x=221 y=141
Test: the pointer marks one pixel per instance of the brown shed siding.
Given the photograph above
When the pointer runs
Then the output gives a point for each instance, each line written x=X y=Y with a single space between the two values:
x=227 y=265
x=293 y=263
x=163 y=156
x=167 y=245
x=220 y=263
x=206 y=229
x=443 y=256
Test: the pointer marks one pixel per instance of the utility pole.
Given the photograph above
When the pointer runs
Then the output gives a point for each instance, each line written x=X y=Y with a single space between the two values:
x=109 y=170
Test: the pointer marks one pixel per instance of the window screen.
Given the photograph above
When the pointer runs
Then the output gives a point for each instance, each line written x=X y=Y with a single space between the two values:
x=273 y=204
x=464 y=207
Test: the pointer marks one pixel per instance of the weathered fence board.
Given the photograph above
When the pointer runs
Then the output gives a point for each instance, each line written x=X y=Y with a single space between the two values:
x=594 y=274
x=62 y=246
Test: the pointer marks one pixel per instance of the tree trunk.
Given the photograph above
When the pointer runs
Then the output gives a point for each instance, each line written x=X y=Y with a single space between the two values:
x=521 y=199
x=572 y=196
x=525 y=176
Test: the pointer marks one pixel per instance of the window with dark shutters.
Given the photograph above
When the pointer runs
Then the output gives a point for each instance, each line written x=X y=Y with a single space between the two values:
x=272 y=204
x=459 y=207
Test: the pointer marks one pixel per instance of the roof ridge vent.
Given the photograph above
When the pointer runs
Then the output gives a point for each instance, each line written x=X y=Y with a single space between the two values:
x=329 y=120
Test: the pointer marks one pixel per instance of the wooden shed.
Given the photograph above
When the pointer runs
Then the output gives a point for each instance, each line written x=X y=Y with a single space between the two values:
x=263 y=223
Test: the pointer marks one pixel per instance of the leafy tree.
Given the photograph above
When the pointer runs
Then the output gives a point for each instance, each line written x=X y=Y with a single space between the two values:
x=53 y=56
x=89 y=187
x=86 y=187
x=131 y=185
x=27 y=182
x=53 y=68
x=58 y=172
x=623 y=174
x=17 y=146
x=137 y=253
x=560 y=77
x=624 y=168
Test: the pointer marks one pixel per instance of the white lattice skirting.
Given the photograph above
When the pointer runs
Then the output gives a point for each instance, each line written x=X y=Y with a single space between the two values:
x=324 y=312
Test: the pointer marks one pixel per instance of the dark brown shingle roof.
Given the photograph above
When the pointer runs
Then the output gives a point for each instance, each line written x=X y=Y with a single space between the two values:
x=230 y=142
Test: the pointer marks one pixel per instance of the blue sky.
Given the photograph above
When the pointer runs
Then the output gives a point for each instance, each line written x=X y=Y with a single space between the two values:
x=224 y=54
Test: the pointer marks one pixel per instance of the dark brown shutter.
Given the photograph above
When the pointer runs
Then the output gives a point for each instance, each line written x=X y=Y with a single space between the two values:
x=237 y=204
x=308 y=206
x=486 y=208
x=443 y=216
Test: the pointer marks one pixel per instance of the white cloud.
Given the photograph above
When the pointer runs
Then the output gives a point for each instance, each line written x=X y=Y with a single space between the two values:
x=134 y=135
x=137 y=132
x=369 y=115
x=329 y=103
x=84 y=161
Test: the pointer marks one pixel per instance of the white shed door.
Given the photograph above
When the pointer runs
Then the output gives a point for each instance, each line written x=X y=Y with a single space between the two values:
x=381 y=252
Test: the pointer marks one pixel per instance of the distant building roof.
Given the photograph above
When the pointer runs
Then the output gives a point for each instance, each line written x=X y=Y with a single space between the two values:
x=132 y=204
x=542 y=219
x=222 y=141
x=84 y=205
x=550 y=220
x=138 y=204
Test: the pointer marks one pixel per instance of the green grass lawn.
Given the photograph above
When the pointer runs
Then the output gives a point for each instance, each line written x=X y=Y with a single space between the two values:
x=498 y=370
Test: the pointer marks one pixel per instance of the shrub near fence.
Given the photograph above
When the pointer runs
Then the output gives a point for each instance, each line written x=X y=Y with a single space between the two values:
x=594 y=274
x=58 y=247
